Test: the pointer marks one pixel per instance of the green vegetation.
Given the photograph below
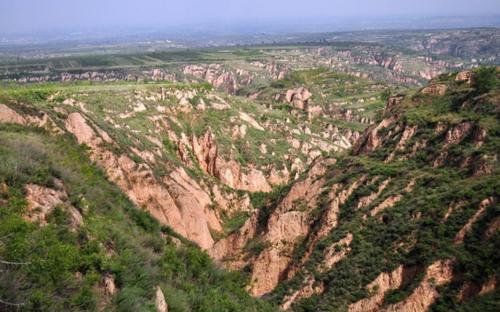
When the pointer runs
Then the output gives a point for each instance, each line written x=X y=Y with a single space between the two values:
x=63 y=268
x=233 y=223
x=485 y=79
x=414 y=232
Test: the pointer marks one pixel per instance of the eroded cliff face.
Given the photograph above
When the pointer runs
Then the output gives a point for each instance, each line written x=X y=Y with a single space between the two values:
x=435 y=89
x=42 y=120
x=310 y=286
x=8 y=115
x=177 y=200
x=177 y=195
x=229 y=172
x=371 y=140
x=286 y=225
x=291 y=223
x=377 y=288
x=425 y=294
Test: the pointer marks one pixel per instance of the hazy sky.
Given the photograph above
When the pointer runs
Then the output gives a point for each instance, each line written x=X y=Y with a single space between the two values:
x=32 y=15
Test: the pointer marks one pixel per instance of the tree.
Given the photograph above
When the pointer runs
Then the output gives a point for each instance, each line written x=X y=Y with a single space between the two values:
x=485 y=79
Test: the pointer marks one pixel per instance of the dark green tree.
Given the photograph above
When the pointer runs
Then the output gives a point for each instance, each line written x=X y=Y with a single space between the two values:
x=485 y=79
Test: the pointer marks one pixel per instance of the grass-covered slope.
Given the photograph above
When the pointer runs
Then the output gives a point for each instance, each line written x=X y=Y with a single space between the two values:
x=60 y=267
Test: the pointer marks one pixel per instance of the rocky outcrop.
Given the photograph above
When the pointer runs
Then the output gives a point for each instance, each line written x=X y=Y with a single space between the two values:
x=300 y=98
x=108 y=285
x=250 y=120
x=215 y=74
x=187 y=100
x=84 y=133
x=231 y=174
x=239 y=131
x=42 y=201
x=435 y=90
x=160 y=302
x=347 y=115
x=392 y=200
x=8 y=115
x=306 y=291
x=393 y=102
x=336 y=252
x=206 y=152
x=480 y=165
x=429 y=74
x=285 y=225
x=230 y=250
x=479 y=136
x=278 y=177
x=268 y=268
x=195 y=206
x=277 y=71
x=338 y=195
x=371 y=140
x=365 y=201
x=386 y=61
x=407 y=134
x=437 y=274
x=458 y=133
x=464 y=76
x=158 y=74
x=387 y=203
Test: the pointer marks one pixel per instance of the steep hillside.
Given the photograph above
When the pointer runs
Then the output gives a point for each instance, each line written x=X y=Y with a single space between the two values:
x=406 y=222
x=72 y=241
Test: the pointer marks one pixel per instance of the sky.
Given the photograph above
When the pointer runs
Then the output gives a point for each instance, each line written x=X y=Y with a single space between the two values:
x=38 y=15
